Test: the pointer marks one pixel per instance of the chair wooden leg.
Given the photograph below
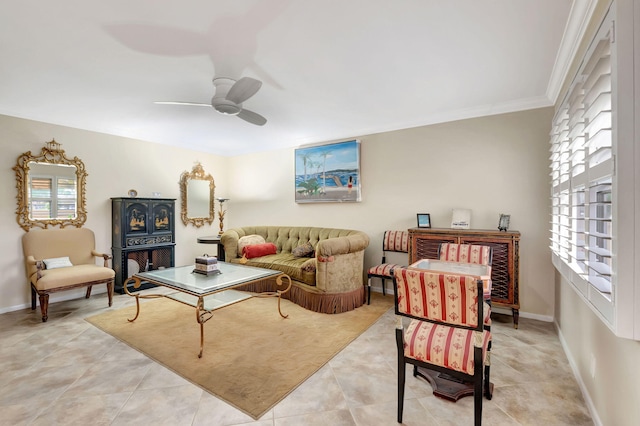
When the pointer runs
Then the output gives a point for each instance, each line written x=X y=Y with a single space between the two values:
x=401 y=372
x=369 y=291
x=44 y=306
x=110 y=292
x=487 y=384
x=88 y=292
x=384 y=287
x=33 y=299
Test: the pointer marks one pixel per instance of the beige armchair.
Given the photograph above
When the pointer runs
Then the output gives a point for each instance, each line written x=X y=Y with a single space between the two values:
x=62 y=259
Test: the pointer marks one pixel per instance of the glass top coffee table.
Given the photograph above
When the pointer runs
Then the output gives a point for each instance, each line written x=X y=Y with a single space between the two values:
x=208 y=292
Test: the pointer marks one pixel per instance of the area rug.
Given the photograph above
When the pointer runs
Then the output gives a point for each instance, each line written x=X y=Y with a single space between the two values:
x=253 y=357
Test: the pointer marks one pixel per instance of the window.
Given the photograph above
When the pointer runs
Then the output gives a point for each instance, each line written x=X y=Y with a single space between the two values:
x=593 y=161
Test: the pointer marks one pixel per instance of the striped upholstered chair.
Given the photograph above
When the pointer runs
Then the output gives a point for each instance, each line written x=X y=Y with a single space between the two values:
x=445 y=332
x=392 y=241
x=467 y=253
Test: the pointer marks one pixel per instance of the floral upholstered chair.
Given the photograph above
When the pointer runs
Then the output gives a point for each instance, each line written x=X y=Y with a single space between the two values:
x=445 y=332
x=392 y=241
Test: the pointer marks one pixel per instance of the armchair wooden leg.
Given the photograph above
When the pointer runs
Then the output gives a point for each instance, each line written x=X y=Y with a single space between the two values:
x=110 y=292
x=33 y=299
x=44 y=306
x=369 y=291
x=88 y=292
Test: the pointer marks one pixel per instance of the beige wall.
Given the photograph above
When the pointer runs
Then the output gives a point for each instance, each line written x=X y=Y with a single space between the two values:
x=614 y=390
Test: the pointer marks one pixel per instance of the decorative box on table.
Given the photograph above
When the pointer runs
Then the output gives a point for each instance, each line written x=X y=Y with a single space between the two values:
x=206 y=264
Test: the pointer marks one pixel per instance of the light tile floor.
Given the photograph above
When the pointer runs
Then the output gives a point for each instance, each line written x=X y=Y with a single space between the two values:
x=68 y=372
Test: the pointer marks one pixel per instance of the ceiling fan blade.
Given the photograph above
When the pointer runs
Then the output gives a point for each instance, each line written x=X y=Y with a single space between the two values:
x=243 y=89
x=181 y=103
x=252 y=117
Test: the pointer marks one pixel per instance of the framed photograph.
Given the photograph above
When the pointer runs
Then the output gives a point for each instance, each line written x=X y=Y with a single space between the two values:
x=328 y=173
x=424 y=220
x=503 y=222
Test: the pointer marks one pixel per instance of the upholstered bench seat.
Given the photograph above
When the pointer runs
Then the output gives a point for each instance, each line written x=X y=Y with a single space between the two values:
x=73 y=276
x=441 y=345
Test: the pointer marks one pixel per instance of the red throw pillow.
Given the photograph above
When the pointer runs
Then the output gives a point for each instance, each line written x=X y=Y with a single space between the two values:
x=257 y=250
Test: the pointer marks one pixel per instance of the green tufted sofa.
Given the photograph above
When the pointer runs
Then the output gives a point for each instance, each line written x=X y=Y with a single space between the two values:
x=335 y=286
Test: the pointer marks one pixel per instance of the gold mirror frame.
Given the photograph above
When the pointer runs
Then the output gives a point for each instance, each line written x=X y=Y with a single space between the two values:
x=51 y=154
x=197 y=173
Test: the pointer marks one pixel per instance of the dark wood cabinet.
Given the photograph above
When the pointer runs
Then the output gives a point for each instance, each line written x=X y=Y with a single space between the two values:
x=505 y=268
x=142 y=237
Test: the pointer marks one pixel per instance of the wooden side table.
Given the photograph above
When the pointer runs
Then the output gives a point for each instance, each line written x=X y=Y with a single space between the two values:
x=214 y=240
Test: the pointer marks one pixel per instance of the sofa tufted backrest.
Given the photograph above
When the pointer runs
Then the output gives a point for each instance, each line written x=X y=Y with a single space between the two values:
x=286 y=238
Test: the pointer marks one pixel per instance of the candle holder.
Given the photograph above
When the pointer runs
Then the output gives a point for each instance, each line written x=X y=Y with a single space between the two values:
x=221 y=213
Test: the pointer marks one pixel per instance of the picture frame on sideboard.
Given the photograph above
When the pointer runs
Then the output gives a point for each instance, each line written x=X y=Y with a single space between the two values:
x=424 y=220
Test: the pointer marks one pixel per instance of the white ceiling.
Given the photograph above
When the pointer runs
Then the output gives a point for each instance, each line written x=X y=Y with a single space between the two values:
x=331 y=69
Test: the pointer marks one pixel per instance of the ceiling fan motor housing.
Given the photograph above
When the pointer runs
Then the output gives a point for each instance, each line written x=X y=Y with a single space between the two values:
x=219 y=101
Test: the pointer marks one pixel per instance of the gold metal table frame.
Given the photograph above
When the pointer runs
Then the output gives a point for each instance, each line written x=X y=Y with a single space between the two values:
x=207 y=293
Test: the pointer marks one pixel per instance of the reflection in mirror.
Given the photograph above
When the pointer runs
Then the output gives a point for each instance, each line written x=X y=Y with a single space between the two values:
x=51 y=189
x=198 y=198
x=196 y=194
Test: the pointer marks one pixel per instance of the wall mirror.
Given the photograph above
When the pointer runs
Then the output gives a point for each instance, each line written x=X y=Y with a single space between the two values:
x=196 y=196
x=51 y=189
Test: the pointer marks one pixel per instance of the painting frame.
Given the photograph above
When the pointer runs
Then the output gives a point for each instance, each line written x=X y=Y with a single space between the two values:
x=424 y=220
x=328 y=173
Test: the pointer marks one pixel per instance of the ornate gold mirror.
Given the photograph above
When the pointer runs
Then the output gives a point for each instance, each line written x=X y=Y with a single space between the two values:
x=196 y=196
x=51 y=189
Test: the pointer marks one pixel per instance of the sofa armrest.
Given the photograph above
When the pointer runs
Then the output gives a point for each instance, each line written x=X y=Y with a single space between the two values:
x=342 y=245
x=229 y=240
x=102 y=255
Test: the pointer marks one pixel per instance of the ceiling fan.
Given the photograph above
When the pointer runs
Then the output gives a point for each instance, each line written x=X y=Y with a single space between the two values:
x=229 y=96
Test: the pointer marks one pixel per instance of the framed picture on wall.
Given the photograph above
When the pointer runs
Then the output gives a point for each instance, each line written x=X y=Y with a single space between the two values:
x=424 y=220
x=328 y=173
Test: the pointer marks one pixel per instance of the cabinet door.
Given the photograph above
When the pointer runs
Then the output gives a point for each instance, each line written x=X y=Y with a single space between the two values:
x=502 y=268
x=136 y=217
x=426 y=246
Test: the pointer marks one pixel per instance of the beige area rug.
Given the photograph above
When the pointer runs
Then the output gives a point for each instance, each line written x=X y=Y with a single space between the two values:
x=253 y=357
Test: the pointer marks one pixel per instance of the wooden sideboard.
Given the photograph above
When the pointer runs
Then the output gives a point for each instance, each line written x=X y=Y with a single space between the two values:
x=505 y=268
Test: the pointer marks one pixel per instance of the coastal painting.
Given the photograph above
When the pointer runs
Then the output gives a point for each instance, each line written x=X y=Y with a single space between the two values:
x=328 y=173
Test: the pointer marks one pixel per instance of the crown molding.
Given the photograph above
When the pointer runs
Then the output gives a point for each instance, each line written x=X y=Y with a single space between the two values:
x=579 y=17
